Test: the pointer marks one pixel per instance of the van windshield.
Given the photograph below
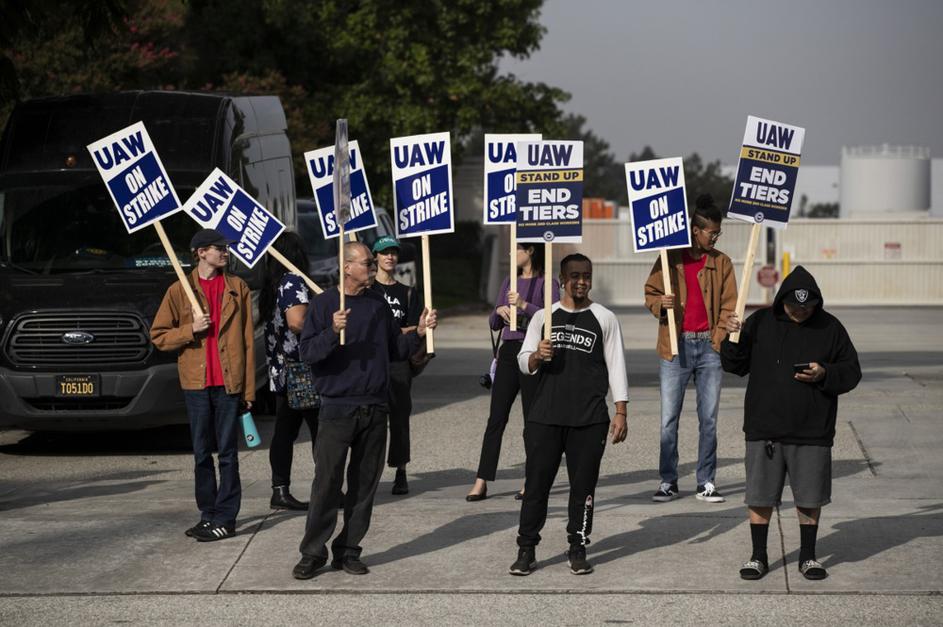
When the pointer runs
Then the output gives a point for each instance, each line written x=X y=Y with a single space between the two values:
x=48 y=229
x=309 y=228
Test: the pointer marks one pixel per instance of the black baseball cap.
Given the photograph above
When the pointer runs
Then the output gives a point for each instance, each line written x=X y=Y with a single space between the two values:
x=208 y=237
x=802 y=297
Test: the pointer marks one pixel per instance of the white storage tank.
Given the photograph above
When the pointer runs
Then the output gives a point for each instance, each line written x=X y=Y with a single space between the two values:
x=880 y=180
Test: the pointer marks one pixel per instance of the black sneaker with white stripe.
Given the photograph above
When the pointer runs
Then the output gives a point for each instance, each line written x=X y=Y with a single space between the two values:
x=709 y=493
x=214 y=533
x=203 y=524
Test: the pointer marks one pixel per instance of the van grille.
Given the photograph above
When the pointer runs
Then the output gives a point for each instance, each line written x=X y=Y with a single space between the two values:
x=117 y=339
x=101 y=403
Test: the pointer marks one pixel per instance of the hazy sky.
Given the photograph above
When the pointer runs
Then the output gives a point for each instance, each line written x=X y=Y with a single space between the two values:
x=682 y=76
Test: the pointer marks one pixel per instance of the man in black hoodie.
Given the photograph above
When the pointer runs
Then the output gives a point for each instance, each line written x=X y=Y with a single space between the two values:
x=799 y=358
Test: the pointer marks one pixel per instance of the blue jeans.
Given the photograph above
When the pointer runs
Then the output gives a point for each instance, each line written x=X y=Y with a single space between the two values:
x=214 y=424
x=699 y=358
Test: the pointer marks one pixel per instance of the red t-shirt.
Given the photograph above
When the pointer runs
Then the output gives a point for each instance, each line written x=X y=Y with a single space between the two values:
x=695 y=312
x=213 y=289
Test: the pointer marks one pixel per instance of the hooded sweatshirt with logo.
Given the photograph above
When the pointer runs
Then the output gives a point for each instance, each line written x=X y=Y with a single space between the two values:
x=778 y=407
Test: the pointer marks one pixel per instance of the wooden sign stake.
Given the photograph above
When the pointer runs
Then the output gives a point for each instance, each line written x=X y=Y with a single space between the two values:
x=672 y=323
x=427 y=290
x=194 y=303
x=512 y=274
x=280 y=258
x=340 y=265
x=745 y=278
x=548 y=290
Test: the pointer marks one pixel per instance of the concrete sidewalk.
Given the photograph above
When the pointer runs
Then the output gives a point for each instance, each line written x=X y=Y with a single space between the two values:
x=84 y=519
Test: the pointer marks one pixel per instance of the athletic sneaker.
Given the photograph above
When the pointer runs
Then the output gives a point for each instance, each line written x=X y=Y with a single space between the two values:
x=709 y=493
x=526 y=561
x=666 y=492
x=214 y=533
x=203 y=524
x=578 y=563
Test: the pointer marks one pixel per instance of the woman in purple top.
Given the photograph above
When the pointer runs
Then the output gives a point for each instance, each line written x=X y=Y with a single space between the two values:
x=528 y=299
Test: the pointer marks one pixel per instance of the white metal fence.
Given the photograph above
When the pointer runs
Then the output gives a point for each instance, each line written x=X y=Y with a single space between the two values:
x=856 y=262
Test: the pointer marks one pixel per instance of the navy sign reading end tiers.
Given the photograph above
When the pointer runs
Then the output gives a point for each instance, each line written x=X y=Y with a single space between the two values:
x=659 y=206
x=550 y=191
x=766 y=173
x=135 y=177
x=422 y=184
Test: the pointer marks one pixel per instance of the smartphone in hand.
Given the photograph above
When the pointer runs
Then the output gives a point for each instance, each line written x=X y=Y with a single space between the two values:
x=799 y=368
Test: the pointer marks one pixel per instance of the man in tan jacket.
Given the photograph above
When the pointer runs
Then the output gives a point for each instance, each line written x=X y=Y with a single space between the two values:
x=216 y=366
x=704 y=294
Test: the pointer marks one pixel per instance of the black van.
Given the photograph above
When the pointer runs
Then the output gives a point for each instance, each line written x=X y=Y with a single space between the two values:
x=77 y=293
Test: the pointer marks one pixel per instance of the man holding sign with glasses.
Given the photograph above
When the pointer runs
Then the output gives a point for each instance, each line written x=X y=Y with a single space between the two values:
x=703 y=295
x=353 y=379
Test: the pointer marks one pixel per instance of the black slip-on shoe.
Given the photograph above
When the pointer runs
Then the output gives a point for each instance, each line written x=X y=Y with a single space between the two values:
x=308 y=566
x=350 y=564
x=400 y=485
x=282 y=499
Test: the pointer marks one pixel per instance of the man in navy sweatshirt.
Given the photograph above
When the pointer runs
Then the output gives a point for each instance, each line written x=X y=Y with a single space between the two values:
x=353 y=381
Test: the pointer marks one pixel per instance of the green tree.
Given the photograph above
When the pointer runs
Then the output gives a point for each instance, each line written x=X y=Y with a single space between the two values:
x=390 y=68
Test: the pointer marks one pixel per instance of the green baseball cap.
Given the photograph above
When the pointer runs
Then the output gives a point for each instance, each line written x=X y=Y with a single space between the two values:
x=385 y=243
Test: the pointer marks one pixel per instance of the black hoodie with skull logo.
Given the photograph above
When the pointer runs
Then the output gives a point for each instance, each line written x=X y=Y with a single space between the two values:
x=777 y=406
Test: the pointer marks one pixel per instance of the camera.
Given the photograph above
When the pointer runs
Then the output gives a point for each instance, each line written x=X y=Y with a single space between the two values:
x=486 y=379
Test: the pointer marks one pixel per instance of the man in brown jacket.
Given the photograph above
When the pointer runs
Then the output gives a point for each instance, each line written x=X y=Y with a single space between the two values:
x=704 y=294
x=216 y=366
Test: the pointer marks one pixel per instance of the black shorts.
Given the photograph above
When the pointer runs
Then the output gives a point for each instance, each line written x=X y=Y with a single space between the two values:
x=809 y=469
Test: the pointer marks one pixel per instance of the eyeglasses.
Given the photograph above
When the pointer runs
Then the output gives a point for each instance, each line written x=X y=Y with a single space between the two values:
x=713 y=235
x=219 y=249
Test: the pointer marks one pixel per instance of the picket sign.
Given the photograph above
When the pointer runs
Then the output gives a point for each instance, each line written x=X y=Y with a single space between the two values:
x=659 y=211
x=421 y=167
x=549 y=200
x=764 y=187
x=141 y=189
x=500 y=194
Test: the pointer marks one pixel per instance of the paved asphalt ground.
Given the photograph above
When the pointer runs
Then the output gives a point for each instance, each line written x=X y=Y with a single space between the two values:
x=91 y=525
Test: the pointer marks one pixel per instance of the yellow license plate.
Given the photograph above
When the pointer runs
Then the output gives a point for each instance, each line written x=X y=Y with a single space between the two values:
x=77 y=385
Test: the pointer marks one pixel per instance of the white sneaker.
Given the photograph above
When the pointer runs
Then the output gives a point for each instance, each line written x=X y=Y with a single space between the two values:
x=709 y=493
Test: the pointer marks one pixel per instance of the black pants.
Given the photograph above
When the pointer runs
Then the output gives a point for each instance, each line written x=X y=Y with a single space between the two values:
x=508 y=379
x=287 y=425
x=362 y=431
x=401 y=406
x=545 y=444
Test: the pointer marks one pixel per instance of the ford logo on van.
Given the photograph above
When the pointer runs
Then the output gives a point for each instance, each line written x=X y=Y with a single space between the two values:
x=78 y=337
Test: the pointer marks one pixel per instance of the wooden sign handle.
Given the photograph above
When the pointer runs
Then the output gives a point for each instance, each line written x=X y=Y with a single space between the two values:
x=548 y=291
x=340 y=267
x=512 y=274
x=427 y=290
x=293 y=268
x=352 y=236
x=745 y=278
x=194 y=303
x=672 y=323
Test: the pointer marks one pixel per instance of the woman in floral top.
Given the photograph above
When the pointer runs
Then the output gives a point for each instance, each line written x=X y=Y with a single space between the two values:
x=283 y=303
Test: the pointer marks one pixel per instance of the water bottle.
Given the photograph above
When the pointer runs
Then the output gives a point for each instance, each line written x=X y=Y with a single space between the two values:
x=248 y=428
